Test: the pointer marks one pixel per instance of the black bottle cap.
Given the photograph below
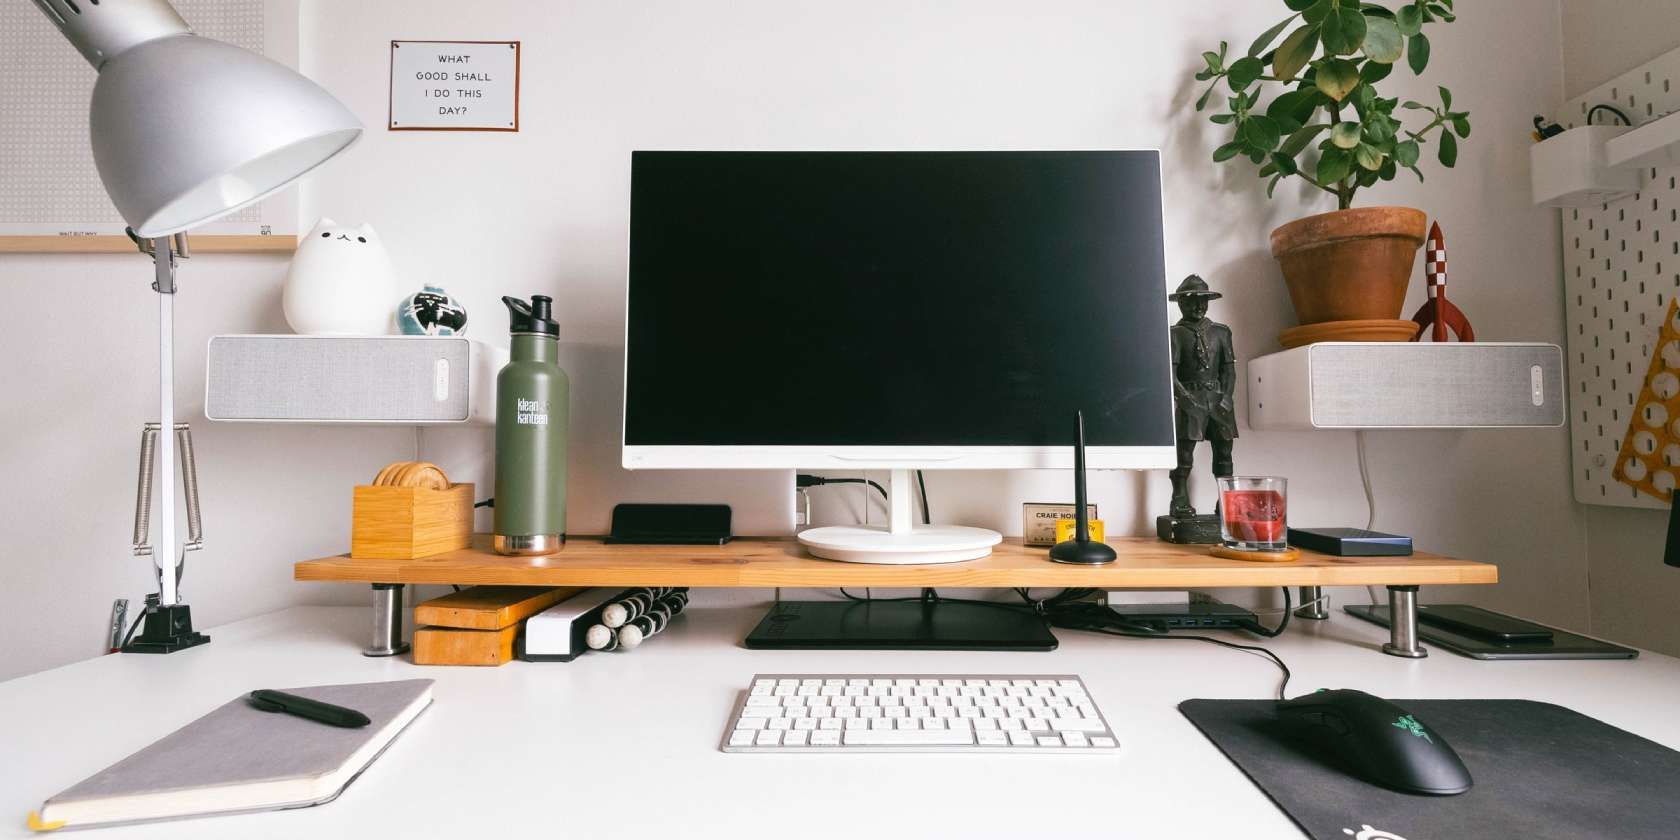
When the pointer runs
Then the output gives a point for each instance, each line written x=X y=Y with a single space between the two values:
x=534 y=317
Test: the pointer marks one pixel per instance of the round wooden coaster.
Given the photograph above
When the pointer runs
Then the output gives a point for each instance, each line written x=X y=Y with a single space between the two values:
x=1284 y=556
x=1380 y=329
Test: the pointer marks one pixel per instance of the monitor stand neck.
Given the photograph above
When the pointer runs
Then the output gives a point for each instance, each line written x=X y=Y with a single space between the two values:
x=902 y=542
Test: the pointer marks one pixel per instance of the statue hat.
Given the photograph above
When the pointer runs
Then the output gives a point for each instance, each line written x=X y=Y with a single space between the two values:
x=1194 y=286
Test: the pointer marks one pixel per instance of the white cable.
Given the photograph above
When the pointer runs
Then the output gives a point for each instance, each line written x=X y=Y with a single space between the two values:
x=1370 y=497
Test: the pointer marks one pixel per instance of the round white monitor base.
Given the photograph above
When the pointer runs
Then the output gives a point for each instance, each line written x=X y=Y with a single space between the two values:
x=921 y=544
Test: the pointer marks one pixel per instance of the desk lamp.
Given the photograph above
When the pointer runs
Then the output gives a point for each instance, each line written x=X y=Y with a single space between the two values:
x=184 y=131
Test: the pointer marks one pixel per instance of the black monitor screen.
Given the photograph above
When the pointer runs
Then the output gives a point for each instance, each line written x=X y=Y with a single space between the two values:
x=896 y=299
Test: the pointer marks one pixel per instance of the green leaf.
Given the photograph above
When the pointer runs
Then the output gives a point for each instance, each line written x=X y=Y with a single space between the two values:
x=1222 y=119
x=1409 y=19
x=1446 y=98
x=1294 y=53
x=1212 y=59
x=1417 y=52
x=1287 y=106
x=1243 y=72
x=1412 y=105
x=1345 y=135
x=1298 y=5
x=1461 y=124
x=1382 y=40
x=1372 y=72
x=1418 y=172
x=1333 y=166
x=1227 y=151
x=1406 y=153
x=1380 y=128
x=1388 y=169
x=1284 y=163
x=1299 y=140
x=1315 y=11
x=1256 y=156
x=1260 y=133
x=1367 y=157
x=1449 y=150
x=1343 y=31
x=1201 y=102
x=1265 y=40
x=1272 y=185
x=1337 y=77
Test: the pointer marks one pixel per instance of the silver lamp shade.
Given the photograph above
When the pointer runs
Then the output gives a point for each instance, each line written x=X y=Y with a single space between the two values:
x=186 y=129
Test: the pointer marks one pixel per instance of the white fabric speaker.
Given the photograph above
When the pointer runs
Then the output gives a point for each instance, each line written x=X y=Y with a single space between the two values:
x=1407 y=385
x=350 y=379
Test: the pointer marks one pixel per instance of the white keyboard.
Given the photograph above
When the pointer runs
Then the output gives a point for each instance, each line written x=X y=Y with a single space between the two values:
x=1022 y=713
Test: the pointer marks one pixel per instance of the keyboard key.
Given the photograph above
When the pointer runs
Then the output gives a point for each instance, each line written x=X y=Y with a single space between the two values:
x=1103 y=742
x=1019 y=738
x=794 y=739
x=751 y=723
x=1078 y=725
x=761 y=712
x=781 y=724
x=857 y=723
x=763 y=700
x=768 y=738
x=741 y=738
x=1075 y=739
x=908 y=737
x=993 y=739
x=830 y=723
x=805 y=724
x=880 y=723
x=1049 y=741
x=825 y=738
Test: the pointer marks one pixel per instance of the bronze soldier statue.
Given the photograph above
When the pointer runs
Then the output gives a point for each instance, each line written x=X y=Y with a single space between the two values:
x=1204 y=387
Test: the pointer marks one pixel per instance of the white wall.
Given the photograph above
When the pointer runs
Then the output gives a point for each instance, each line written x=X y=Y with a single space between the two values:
x=1632 y=594
x=545 y=211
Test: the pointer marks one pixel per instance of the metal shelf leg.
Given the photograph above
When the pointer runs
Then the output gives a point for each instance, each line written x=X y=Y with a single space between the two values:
x=1312 y=606
x=1402 y=624
x=387 y=621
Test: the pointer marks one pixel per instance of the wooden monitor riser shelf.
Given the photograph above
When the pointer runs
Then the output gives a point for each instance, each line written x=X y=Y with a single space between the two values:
x=1144 y=563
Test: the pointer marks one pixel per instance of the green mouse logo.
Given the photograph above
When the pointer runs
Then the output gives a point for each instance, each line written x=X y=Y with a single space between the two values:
x=1410 y=724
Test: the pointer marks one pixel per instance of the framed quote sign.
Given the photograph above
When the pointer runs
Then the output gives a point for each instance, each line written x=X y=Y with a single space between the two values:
x=454 y=86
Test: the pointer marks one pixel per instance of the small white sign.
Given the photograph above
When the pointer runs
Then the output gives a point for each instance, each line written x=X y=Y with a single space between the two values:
x=454 y=86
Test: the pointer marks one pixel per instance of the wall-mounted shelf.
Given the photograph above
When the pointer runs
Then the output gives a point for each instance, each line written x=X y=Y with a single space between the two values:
x=1573 y=169
x=1656 y=143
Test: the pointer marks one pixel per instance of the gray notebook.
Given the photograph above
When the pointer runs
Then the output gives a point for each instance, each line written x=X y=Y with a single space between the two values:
x=239 y=758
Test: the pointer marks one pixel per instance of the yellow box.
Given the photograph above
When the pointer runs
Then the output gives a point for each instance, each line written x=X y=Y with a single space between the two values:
x=1066 y=527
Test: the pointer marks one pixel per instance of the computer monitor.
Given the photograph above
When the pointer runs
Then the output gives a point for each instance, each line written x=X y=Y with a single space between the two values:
x=898 y=311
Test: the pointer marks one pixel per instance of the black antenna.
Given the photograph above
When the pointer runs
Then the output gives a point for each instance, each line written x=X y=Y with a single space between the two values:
x=1081 y=549
x=1081 y=518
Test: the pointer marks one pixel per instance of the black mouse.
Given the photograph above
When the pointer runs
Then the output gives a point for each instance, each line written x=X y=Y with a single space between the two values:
x=1381 y=742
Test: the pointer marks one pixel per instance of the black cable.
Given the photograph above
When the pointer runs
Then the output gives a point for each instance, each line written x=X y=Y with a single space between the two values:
x=927 y=516
x=1283 y=685
x=1612 y=109
x=1256 y=627
x=489 y=503
x=131 y=628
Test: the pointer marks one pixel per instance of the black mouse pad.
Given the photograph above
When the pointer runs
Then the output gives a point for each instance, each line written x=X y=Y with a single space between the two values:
x=1540 y=771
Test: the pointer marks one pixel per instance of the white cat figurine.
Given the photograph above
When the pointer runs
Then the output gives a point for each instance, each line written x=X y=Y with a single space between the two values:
x=341 y=283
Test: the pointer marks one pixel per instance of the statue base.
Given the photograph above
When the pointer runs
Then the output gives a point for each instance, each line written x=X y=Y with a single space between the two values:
x=1198 y=529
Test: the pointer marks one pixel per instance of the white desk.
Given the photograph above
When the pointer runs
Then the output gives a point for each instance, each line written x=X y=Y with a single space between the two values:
x=625 y=745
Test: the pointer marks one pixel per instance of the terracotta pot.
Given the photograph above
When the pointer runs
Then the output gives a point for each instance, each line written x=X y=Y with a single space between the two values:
x=1350 y=265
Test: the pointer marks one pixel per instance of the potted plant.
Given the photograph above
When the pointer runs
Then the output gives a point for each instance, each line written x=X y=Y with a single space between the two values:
x=1347 y=270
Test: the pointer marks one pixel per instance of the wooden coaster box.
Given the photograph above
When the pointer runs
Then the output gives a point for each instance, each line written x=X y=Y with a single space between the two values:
x=407 y=523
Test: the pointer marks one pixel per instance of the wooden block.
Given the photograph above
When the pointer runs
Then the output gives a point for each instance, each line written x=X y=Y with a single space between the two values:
x=452 y=646
x=490 y=607
x=406 y=523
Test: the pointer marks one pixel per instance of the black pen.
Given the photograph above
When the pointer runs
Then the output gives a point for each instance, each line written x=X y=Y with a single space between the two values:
x=270 y=700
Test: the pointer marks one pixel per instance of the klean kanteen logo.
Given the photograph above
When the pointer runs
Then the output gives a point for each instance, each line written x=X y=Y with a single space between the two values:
x=532 y=412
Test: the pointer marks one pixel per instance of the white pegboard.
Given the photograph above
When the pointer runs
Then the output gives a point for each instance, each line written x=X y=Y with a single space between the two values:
x=1621 y=264
x=48 y=183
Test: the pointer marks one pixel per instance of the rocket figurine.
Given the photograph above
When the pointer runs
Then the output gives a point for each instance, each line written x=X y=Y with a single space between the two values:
x=1438 y=312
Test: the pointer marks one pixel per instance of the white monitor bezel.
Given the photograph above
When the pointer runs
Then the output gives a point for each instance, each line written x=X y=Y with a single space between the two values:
x=818 y=457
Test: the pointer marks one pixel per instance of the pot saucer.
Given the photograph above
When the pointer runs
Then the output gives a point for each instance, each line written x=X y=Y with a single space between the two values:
x=1377 y=329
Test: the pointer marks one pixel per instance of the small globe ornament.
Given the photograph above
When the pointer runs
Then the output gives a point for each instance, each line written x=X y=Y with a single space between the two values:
x=431 y=311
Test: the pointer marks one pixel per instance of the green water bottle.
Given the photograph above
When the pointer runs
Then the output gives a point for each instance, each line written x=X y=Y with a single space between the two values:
x=532 y=402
